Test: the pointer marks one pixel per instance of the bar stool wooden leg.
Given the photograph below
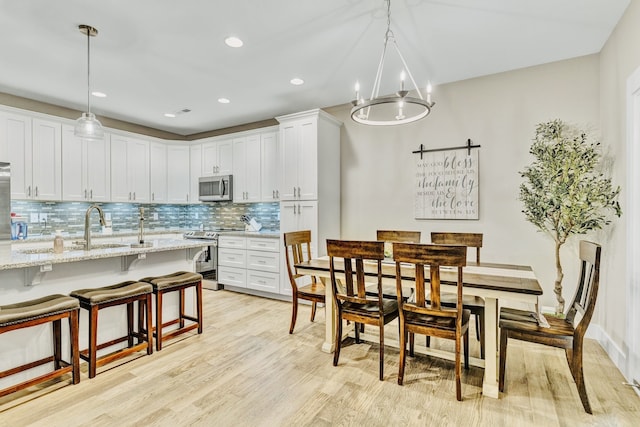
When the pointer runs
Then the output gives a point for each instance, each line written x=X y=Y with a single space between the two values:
x=57 y=343
x=182 y=313
x=74 y=328
x=158 y=328
x=130 y=332
x=149 y=318
x=199 y=305
x=93 y=340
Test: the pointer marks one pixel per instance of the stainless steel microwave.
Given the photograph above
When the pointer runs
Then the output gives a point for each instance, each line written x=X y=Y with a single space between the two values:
x=215 y=188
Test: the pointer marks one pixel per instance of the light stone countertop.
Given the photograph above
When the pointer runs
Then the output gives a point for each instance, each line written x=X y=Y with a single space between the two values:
x=15 y=254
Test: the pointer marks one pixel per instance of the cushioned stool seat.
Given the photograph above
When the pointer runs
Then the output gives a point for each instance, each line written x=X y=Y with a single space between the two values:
x=108 y=296
x=178 y=281
x=52 y=308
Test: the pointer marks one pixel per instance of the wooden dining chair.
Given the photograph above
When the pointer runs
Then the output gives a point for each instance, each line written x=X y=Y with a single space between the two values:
x=473 y=303
x=567 y=333
x=432 y=318
x=297 y=246
x=398 y=236
x=349 y=295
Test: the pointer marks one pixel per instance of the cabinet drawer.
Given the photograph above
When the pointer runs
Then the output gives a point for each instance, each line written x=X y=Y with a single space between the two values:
x=263 y=281
x=263 y=261
x=237 y=242
x=232 y=257
x=232 y=276
x=263 y=244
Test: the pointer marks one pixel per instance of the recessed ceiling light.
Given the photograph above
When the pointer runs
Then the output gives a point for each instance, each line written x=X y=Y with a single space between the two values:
x=99 y=94
x=296 y=81
x=171 y=115
x=223 y=100
x=233 y=42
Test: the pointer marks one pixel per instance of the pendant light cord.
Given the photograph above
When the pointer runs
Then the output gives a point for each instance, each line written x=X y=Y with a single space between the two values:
x=88 y=70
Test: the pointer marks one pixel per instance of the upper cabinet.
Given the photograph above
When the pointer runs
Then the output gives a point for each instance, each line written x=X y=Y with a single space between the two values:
x=217 y=157
x=129 y=170
x=178 y=182
x=34 y=149
x=86 y=168
x=269 y=170
x=307 y=142
x=158 y=172
x=15 y=132
x=195 y=168
x=246 y=169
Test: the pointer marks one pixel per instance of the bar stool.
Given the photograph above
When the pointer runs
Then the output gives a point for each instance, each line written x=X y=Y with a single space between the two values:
x=108 y=296
x=52 y=308
x=178 y=281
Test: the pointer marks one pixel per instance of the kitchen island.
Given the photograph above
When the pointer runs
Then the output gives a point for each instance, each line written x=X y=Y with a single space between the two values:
x=29 y=271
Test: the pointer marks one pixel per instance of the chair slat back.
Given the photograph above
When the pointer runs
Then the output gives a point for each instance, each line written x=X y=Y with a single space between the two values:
x=351 y=252
x=398 y=236
x=433 y=256
x=584 y=300
x=298 y=249
x=473 y=240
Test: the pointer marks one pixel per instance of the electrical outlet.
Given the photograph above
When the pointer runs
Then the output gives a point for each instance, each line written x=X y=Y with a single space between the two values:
x=34 y=218
x=155 y=216
x=196 y=215
x=107 y=216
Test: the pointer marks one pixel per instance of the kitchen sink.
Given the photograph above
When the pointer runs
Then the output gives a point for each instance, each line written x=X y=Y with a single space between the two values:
x=49 y=250
x=75 y=248
x=142 y=245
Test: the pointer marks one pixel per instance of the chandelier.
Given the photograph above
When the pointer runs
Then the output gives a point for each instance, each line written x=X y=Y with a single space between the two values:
x=87 y=126
x=392 y=109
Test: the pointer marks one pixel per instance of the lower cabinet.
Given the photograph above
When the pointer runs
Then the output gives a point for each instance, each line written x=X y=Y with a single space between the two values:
x=249 y=262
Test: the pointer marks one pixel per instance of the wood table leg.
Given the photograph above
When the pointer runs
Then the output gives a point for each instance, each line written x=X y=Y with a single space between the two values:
x=490 y=381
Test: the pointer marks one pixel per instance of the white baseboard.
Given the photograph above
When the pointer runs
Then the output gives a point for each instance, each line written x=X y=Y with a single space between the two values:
x=614 y=352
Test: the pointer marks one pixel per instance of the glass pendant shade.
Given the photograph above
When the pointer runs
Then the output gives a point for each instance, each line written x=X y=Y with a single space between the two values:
x=88 y=127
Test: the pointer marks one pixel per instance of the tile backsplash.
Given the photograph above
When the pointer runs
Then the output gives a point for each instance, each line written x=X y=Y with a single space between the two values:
x=46 y=217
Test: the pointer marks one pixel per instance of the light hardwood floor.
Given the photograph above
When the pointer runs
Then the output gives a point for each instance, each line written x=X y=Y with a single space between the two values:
x=246 y=370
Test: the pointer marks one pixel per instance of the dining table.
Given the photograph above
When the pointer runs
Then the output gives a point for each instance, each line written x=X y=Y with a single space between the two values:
x=495 y=283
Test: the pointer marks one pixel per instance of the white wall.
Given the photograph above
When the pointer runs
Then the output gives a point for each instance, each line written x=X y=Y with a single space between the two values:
x=618 y=59
x=498 y=112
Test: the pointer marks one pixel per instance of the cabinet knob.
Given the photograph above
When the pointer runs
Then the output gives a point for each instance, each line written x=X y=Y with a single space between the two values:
x=91 y=194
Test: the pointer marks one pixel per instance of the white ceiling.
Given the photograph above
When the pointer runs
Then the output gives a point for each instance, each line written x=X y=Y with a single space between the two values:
x=157 y=56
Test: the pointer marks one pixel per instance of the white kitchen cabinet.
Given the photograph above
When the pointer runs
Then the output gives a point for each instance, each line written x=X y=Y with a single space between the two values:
x=302 y=149
x=246 y=169
x=15 y=132
x=310 y=180
x=217 y=157
x=129 y=170
x=249 y=262
x=195 y=171
x=232 y=261
x=35 y=155
x=269 y=167
x=158 y=172
x=178 y=182
x=86 y=171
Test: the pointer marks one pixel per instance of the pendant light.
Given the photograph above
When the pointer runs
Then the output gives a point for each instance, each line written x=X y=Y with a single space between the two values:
x=393 y=109
x=87 y=126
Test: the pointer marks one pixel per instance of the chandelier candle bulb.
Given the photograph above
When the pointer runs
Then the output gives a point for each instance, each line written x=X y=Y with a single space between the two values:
x=357 y=91
x=402 y=76
x=429 y=92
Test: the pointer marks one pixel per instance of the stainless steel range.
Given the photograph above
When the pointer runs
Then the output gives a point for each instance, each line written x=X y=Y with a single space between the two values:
x=207 y=262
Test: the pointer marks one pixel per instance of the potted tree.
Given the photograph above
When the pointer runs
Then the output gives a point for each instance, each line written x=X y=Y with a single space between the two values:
x=564 y=193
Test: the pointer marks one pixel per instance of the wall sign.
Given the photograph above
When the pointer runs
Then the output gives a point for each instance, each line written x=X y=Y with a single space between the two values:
x=446 y=184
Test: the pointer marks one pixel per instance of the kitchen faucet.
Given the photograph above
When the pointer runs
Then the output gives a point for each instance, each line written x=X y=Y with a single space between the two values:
x=141 y=226
x=87 y=225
